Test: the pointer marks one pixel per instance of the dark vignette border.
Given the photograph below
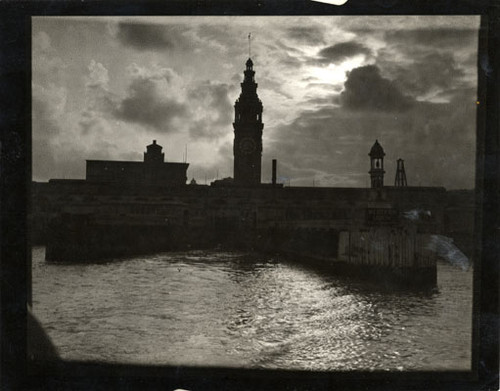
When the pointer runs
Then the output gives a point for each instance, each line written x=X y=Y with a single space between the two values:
x=15 y=175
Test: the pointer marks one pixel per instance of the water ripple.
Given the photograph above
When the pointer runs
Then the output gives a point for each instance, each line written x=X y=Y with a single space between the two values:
x=235 y=309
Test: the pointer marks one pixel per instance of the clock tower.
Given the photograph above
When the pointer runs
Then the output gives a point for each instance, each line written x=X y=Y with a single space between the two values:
x=247 y=148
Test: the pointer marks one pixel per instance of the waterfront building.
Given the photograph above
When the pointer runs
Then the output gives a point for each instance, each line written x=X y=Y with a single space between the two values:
x=152 y=171
x=138 y=207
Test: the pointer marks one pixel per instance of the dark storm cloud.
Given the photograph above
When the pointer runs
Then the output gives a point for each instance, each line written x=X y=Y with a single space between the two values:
x=301 y=146
x=429 y=70
x=443 y=136
x=146 y=106
x=424 y=60
x=443 y=38
x=341 y=51
x=366 y=89
x=311 y=35
x=158 y=99
x=150 y=36
x=436 y=140
x=437 y=146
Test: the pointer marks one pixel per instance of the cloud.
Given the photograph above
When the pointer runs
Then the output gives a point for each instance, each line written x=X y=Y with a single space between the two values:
x=427 y=62
x=58 y=148
x=341 y=51
x=218 y=95
x=47 y=65
x=313 y=130
x=331 y=145
x=99 y=101
x=154 y=99
x=158 y=100
x=288 y=61
x=443 y=38
x=310 y=35
x=366 y=89
x=47 y=107
x=50 y=157
x=98 y=75
x=211 y=110
x=424 y=73
x=220 y=38
x=150 y=36
x=98 y=97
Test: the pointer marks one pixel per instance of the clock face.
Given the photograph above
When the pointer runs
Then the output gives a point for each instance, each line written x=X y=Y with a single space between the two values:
x=247 y=145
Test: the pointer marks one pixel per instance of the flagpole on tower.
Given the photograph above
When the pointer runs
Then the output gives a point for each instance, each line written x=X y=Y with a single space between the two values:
x=249 y=46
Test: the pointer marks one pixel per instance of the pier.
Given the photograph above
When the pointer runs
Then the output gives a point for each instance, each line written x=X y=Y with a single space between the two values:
x=349 y=229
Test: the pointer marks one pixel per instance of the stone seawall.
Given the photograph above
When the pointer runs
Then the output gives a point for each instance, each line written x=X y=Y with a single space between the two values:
x=80 y=240
x=388 y=255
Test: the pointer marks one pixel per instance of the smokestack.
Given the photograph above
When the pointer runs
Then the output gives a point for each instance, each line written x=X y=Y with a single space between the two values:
x=274 y=172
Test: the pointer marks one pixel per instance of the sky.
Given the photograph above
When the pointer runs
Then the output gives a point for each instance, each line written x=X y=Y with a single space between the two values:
x=105 y=87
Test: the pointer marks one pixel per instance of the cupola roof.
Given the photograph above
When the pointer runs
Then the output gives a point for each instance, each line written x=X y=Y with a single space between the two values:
x=377 y=150
x=154 y=146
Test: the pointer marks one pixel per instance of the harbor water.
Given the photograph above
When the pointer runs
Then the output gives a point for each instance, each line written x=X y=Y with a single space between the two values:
x=214 y=308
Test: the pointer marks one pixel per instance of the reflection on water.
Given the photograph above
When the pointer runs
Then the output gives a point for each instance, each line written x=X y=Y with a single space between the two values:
x=227 y=309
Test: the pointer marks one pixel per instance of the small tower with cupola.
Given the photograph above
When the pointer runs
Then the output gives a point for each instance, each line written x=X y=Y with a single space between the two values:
x=247 y=147
x=377 y=166
x=154 y=153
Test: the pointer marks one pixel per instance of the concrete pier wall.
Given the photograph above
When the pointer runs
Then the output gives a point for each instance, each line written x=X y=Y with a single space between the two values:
x=386 y=246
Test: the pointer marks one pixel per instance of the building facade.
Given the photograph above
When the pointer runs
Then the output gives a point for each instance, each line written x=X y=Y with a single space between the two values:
x=153 y=171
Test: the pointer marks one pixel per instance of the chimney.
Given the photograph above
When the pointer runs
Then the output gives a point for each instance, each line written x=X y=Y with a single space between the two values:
x=274 y=172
